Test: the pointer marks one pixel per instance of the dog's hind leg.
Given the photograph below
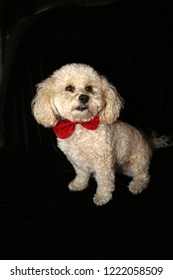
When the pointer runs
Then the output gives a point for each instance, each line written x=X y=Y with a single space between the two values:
x=138 y=170
x=139 y=183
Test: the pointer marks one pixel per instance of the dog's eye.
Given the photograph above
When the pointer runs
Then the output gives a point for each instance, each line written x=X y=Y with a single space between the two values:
x=89 y=88
x=70 y=88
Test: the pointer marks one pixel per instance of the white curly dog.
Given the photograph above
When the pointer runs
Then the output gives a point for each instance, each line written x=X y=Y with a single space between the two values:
x=83 y=108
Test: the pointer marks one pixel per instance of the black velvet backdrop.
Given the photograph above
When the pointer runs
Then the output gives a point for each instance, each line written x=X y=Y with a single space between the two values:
x=131 y=43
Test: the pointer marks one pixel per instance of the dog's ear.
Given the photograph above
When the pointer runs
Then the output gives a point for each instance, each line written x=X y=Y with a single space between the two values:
x=113 y=102
x=42 y=105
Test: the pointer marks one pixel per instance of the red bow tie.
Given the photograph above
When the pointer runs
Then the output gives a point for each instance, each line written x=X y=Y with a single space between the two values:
x=65 y=128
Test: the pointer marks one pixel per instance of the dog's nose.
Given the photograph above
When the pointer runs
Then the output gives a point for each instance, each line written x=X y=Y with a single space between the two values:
x=83 y=98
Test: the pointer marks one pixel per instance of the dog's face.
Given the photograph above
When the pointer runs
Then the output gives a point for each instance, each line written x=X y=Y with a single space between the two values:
x=78 y=92
x=75 y=92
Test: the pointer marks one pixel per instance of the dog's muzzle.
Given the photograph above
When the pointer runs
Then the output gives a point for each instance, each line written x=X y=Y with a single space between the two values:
x=83 y=98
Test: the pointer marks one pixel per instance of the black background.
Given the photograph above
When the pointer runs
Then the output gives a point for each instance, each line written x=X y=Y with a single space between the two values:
x=130 y=42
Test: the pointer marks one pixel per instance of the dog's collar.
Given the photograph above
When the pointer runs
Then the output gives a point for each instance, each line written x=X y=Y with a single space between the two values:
x=65 y=128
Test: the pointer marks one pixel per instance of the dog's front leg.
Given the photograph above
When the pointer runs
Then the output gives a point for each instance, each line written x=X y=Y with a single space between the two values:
x=80 y=182
x=105 y=179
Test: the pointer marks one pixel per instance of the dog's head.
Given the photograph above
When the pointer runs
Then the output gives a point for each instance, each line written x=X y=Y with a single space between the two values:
x=76 y=92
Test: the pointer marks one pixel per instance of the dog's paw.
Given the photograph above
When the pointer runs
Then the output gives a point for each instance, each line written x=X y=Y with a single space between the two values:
x=76 y=186
x=101 y=199
x=136 y=187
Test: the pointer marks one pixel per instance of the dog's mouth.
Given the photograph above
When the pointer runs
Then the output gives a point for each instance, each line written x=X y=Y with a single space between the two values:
x=82 y=108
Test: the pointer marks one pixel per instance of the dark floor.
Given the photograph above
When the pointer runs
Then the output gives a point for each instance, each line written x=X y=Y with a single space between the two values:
x=42 y=219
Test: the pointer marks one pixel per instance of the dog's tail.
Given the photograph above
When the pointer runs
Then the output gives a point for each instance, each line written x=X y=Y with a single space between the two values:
x=163 y=141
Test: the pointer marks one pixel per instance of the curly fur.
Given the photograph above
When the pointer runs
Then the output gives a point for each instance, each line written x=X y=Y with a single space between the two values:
x=113 y=146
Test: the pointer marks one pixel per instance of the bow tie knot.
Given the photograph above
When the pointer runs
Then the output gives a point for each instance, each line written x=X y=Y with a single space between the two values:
x=65 y=128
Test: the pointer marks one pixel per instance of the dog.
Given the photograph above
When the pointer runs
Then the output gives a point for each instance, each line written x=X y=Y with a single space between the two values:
x=83 y=109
